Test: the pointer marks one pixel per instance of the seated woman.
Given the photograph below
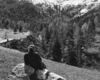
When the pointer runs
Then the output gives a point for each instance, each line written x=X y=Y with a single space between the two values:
x=33 y=60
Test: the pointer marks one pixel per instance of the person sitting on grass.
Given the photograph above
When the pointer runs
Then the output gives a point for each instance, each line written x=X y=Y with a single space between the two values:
x=33 y=63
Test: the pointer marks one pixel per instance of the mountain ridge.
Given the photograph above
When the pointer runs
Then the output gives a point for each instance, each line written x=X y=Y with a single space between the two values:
x=88 y=5
x=64 y=2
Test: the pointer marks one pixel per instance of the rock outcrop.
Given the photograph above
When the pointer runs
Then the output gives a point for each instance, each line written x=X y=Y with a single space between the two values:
x=18 y=73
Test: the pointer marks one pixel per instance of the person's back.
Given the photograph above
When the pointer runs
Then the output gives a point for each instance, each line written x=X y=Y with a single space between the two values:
x=33 y=60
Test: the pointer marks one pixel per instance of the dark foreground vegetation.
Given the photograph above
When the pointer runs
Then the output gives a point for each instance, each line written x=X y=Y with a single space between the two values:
x=58 y=34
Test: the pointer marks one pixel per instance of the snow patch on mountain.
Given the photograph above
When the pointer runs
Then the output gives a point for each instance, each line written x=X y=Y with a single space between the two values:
x=88 y=4
x=65 y=2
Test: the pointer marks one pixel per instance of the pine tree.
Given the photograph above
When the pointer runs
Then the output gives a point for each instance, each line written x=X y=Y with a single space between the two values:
x=56 y=52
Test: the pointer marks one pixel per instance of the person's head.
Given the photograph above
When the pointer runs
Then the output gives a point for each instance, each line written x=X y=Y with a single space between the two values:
x=32 y=49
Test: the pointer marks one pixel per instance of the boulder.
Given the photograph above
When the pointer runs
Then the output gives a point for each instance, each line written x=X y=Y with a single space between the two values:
x=18 y=73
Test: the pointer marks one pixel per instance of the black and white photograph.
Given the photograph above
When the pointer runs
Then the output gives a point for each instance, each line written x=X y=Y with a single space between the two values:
x=49 y=40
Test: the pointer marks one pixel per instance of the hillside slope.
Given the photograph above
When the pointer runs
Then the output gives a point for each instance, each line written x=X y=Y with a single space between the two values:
x=9 y=58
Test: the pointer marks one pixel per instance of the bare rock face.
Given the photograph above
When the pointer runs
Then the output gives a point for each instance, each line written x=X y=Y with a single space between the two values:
x=18 y=73
x=19 y=70
x=12 y=77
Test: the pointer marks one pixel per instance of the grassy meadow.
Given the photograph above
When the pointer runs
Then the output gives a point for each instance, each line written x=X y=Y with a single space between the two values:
x=9 y=58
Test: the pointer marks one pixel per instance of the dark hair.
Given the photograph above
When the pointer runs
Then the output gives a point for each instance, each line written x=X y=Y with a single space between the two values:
x=31 y=49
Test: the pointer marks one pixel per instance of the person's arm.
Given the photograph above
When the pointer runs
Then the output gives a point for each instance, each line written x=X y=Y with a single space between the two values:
x=28 y=69
x=43 y=66
x=26 y=60
x=40 y=63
